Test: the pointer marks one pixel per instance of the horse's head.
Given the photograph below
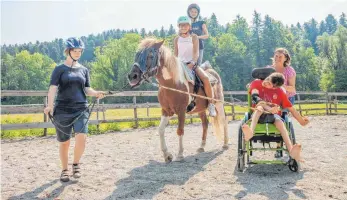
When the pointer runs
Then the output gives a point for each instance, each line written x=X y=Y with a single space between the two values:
x=147 y=61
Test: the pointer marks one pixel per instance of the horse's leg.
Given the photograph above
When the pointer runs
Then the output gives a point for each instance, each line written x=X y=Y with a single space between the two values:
x=163 y=122
x=180 y=133
x=204 y=121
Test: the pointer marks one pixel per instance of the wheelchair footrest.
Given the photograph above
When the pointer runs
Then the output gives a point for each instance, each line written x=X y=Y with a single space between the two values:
x=255 y=162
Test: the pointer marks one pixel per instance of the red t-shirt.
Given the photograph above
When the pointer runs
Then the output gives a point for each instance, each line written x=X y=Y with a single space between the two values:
x=274 y=95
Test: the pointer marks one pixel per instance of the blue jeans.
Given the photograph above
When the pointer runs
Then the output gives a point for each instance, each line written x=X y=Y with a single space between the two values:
x=292 y=100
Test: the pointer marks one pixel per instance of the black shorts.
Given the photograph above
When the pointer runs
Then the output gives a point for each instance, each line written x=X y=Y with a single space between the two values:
x=63 y=119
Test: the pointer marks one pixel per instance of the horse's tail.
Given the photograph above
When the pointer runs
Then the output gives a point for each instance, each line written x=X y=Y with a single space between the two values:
x=220 y=123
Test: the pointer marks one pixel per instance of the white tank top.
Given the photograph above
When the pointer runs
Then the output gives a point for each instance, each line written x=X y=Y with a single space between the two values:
x=185 y=48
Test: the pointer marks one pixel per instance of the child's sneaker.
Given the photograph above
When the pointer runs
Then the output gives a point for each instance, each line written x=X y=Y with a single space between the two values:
x=212 y=110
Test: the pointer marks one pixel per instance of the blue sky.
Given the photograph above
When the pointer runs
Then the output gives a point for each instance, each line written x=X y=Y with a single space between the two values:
x=28 y=21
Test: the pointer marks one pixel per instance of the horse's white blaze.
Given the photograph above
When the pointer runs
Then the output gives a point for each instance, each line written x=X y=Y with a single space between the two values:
x=163 y=122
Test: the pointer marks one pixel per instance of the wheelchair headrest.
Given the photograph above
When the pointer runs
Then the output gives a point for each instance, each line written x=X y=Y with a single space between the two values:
x=262 y=73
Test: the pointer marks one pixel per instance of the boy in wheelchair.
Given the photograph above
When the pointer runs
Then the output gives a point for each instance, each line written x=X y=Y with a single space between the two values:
x=267 y=95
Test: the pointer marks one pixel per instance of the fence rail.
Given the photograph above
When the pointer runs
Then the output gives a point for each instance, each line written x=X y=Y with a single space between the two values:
x=330 y=99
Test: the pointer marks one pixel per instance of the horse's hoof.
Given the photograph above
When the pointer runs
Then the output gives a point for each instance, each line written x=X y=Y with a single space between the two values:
x=168 y=158
x=200 y=150
x=225 y=147
x=180 y=159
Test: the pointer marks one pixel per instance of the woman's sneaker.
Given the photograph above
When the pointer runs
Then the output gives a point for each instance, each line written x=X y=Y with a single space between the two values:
x=76 y=171
x=212 y=110
x=64 y=176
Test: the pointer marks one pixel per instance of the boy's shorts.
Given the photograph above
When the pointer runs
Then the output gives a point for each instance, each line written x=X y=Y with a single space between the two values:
x=269 y=118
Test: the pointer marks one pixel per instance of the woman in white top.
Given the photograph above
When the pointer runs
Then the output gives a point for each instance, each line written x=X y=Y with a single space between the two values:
x=187 y=50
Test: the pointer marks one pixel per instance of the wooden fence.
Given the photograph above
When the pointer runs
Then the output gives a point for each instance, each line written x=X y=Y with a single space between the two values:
x=330 y=99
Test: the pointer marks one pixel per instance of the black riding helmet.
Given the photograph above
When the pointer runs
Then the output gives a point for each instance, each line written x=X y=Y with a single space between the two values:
x=74 y=43
x=193 y=5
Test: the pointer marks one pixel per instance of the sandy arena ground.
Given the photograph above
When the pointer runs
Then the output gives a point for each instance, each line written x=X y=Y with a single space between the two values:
x=129 y=165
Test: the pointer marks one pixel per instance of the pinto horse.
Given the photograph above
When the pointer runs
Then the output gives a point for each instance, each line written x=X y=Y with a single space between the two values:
x=153 y=59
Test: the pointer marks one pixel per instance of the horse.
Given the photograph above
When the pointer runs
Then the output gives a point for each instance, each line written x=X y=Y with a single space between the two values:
x=153 y=59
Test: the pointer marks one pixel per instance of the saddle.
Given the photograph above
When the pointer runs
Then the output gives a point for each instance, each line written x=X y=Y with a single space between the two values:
x=192 y=78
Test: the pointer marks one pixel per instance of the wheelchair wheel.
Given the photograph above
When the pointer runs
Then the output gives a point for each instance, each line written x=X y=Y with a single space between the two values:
x=293 y=165
x=292 y=133
x=241 y=153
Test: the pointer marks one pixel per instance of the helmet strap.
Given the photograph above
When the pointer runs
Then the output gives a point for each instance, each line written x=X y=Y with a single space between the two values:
x=73 y=60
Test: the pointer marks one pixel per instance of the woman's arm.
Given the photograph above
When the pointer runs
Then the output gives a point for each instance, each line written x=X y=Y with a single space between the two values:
x=51 y=95
x=91 y=92
x=291 y=85
x=205 y=31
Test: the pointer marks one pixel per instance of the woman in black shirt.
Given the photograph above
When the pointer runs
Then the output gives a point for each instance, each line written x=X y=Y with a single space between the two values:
x=71 y=81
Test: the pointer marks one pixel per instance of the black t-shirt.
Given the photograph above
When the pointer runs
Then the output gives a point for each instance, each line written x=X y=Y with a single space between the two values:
x=197 y=29
x=71 y=84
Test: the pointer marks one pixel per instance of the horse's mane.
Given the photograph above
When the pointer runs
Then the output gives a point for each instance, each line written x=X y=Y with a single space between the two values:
x=171 y=63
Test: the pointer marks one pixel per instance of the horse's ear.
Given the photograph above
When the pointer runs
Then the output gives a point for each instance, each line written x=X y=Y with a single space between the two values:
x=158 y=45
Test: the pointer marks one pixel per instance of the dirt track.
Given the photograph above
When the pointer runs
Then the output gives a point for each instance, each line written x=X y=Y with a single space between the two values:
x=129 y=165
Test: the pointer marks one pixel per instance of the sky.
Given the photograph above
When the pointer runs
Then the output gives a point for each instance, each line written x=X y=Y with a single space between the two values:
x=29 y=21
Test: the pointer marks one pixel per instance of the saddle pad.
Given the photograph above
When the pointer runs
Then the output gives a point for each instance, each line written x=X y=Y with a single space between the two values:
x=190 y=77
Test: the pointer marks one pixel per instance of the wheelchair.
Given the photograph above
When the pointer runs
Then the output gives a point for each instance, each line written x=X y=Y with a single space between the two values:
x=264 y=133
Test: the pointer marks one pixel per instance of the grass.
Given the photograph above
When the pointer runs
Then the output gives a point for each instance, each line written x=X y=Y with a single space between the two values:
x=125 y=114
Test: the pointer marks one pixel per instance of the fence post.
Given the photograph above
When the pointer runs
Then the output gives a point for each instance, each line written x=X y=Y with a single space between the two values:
x=335 y=104
x=330 y=102
x=147 y=109
x=135 y=113
x=326 y=103
x=97 y=114
x=232 y=107
x=103 y=110
x=300 y=111
x=45 y=101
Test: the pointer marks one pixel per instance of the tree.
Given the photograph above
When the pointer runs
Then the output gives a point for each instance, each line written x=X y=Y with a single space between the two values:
x=343 y=20
x=162 y=32
x=311 y=33
x=307 y=71
x=156 y=33
x=143 y=33
x=331 y=24
x=256 y=38
x=230 y=62
x=213 y=26
x=113 y=61
x=322 y=28
x=171 y=31
x=333 y=51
